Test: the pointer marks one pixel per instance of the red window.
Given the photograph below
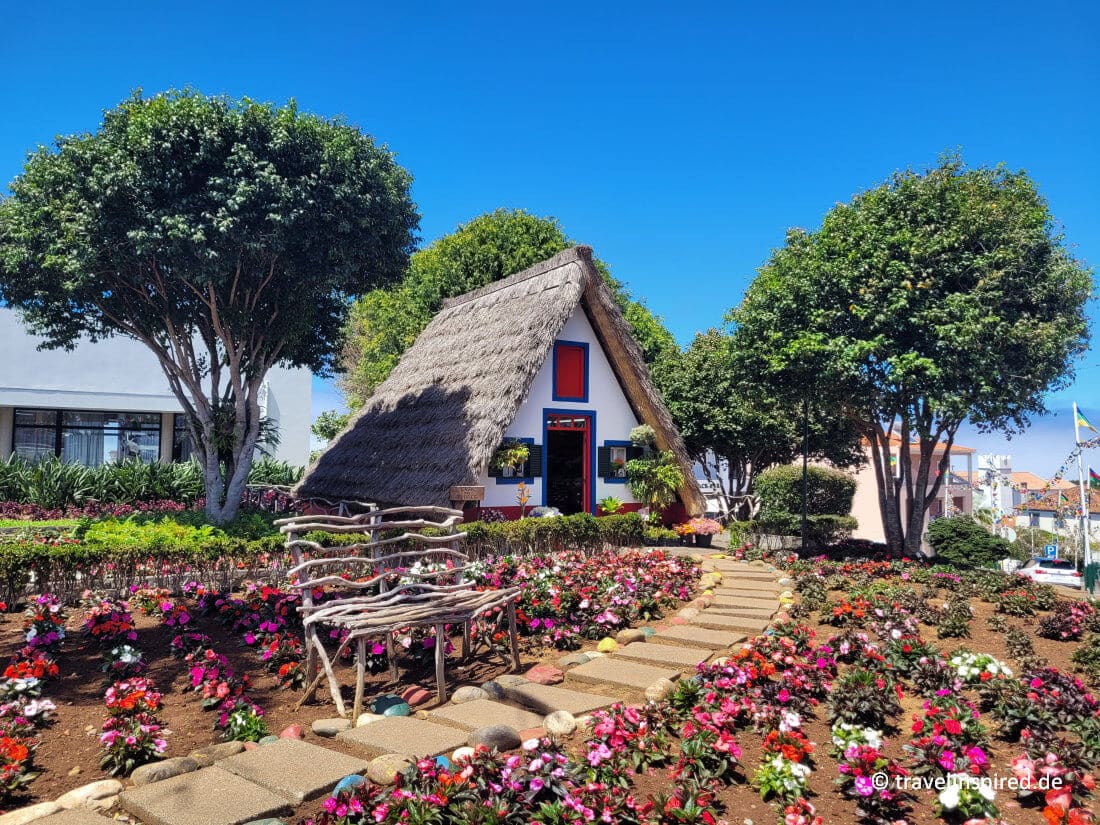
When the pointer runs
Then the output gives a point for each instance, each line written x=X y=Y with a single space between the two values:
x=570 y=368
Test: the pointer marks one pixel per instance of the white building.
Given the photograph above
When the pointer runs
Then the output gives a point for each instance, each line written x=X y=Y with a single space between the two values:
x=542 y=357
x=110 y=401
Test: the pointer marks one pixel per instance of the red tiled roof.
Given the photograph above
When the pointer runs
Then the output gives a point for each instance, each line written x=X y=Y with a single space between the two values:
x=1070 y=502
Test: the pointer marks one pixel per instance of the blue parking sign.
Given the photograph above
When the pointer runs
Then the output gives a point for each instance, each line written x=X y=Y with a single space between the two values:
x=1050 y=551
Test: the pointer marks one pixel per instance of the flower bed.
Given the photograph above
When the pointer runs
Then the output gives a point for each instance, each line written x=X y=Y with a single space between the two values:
x=902 y=699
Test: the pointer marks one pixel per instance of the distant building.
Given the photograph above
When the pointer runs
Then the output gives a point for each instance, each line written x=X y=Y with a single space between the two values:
x=953 y=497
x=1058 y=512
x=110 y=401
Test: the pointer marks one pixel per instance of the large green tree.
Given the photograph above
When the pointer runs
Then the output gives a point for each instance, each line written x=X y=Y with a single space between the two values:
x=227 y=236
x=933 y=298
x=735 y=422
x=385 y=322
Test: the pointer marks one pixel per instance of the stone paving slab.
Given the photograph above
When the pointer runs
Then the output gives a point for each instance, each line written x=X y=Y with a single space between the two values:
x=721 y=599
x=211 y=796
x=402 y=734
x=682 y=657
x=746 y=587
x=609 y=670
x=748 y=612
x=75 y=816
x=481 y=713
x=718 y=621
x=697 y=637
x=293 y=768
x=740 y=572
x=737 y=580
x=546 y=699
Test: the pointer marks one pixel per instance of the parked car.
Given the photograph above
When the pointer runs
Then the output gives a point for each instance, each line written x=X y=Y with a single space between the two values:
x=1052 y=571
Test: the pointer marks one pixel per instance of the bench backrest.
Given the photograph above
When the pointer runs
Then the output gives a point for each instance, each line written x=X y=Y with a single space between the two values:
x=382 y=546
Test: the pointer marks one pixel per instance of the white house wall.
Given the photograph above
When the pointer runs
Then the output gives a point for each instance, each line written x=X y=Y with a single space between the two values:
x=613 y=421
x=122 y=375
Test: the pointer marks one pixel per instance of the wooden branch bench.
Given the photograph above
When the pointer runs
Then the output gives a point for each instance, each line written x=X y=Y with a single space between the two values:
x=390 y=577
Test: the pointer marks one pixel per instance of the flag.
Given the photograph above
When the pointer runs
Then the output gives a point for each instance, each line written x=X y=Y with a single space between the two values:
x=1080 y=420
x=1094 y=479
x=1062 y=498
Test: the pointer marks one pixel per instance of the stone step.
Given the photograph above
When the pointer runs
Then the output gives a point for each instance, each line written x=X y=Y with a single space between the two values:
x=403 y=734
x=761 y=589
x=481 y=713
x=294 y=769
x=745 y=612
x=546 y=699
x=615 y=671
x=767 y=582
x=744 y=601
x=692 y=636
x=743 y=571
x=659 y=654
x=211 y=796
x=718 y=621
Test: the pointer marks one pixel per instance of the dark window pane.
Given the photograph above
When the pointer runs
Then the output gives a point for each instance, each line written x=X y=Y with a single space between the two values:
x=47 y=418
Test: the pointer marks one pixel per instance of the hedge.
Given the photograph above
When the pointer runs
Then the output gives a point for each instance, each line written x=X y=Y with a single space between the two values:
x=547 y=535
x=829 y=492
x=113 y=555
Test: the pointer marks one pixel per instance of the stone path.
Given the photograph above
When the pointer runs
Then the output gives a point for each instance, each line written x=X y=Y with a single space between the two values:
x=736 y=600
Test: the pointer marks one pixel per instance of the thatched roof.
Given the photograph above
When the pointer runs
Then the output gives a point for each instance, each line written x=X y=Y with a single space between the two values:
x=436 y=421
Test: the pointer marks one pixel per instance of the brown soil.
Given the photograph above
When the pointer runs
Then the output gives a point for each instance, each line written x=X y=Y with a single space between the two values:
x=69 y=753
x=743 y=802
x=71 y=743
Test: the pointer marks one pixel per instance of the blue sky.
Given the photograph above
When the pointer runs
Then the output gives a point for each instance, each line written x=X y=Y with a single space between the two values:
x=680 y=140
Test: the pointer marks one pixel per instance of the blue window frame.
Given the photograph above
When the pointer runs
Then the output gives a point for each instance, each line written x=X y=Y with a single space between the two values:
x=625 y=445
x=581 y=345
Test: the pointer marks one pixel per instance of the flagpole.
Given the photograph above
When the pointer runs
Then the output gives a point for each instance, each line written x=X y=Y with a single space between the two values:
x=1083 y=504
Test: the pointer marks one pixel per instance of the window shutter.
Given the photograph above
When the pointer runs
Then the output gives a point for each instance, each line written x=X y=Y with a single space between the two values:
x=534 y=460
x=603 y=462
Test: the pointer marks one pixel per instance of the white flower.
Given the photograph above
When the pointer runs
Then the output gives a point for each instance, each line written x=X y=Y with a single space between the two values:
x=949 y=796
x=986 y=790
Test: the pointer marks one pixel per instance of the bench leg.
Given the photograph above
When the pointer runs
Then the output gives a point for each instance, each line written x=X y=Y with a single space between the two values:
x=513 y=633
x=440 y=652
x=391 y=654
x=312 y=670
x=360 y=679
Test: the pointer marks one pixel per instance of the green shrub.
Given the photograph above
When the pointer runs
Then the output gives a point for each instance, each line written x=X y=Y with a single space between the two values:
x=53 y=484
x=962 y=542
x=828 y=492
x=113 y=554
x=577 y=532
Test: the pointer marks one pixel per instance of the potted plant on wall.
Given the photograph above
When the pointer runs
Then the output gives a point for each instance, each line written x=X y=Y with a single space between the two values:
x=509 y=458
x=704 y=530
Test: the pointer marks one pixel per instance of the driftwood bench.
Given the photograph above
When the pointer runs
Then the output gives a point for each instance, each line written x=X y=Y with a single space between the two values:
x=391 y=576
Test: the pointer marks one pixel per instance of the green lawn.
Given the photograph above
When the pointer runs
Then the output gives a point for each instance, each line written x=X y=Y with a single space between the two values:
x=55 y=522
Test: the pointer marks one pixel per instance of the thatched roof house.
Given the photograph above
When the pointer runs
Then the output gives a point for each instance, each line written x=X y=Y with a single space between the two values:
x=543 y=357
